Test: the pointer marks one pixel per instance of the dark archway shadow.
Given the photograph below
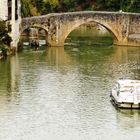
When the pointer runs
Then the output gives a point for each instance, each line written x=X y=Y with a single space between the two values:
x=35 y=35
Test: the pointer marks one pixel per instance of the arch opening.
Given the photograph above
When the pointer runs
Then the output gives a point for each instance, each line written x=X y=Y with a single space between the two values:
x=98 y=30
x=33 y=37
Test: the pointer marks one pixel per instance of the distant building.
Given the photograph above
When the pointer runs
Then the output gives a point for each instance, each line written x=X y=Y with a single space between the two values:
x=3 y=9
x=10 y=11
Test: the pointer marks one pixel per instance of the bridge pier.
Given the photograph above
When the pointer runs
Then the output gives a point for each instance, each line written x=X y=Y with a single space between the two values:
x=53 y=42
x=121 y=42
x=131 y=40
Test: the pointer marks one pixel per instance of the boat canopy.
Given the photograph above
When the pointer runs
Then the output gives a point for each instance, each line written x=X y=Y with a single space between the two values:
x=129 y=85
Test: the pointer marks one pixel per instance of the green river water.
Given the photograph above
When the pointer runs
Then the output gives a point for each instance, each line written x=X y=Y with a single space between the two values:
x=63 y=93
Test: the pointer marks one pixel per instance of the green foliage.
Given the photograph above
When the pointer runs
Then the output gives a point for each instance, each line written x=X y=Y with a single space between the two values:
x=25 y=8
x=5 y=39
x=4 y=36
x=36 y=7
x=131 y=5
x=113 y=5
x=39 y=4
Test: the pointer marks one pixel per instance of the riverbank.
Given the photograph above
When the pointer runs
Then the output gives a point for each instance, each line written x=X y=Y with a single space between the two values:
x=6 y=51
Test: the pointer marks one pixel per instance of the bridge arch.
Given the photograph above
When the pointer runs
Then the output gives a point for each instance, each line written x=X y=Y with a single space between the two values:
x=59 y=25
x=23 y=28
x=114 y=33
x=35 y=27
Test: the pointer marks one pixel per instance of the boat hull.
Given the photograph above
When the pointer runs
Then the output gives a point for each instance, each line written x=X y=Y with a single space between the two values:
x=124 y=104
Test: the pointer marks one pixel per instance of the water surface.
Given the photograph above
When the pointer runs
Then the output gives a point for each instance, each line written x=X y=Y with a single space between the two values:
x=63 y=93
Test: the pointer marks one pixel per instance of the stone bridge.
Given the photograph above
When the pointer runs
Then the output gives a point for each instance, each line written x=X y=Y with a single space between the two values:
x=124 y=27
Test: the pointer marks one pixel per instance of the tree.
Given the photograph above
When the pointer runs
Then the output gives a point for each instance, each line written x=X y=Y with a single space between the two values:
x=131 y=6
x=25 y=8
x=41 y=7
x=5 y=39
x=4 y=36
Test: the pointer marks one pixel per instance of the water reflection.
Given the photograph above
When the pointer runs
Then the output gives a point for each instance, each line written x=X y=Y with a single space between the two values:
x=63 y=93
x=119 y=62
x=57 y=56
x=128 y=119
x=9 y=82
x=128 y=59
x=14 y=73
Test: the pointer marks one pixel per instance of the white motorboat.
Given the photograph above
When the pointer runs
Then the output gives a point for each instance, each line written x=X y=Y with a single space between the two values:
x=126 y=94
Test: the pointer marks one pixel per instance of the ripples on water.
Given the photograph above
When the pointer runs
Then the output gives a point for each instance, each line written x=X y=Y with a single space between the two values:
x=63 y=94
